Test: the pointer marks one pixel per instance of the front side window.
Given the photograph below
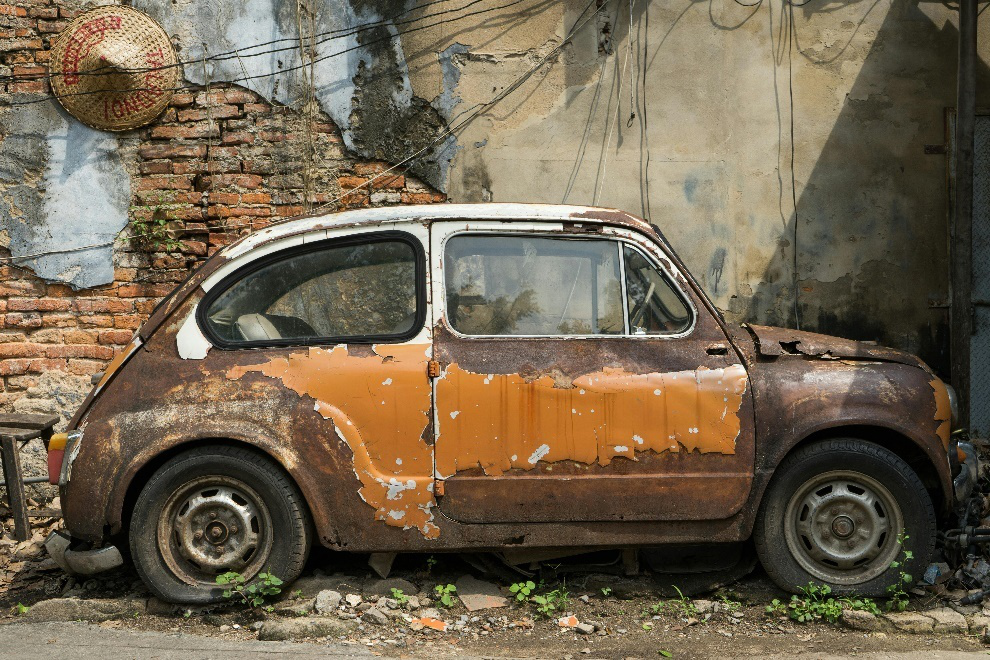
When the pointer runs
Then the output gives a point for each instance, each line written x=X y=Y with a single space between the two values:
x=527 y=285
x=655 y=308
x=358 y=290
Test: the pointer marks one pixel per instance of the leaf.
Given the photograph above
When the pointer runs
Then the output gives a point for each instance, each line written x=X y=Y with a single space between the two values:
x=666 y=654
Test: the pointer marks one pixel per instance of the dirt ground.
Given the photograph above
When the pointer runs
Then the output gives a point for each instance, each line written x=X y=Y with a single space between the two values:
x=624 y=617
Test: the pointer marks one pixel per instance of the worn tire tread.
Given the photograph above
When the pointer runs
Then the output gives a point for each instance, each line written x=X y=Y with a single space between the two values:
x=301 y=541
x=773 y=552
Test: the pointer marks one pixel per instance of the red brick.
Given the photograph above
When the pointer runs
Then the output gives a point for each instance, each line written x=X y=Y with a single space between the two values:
x=38 y=305
x=80 y=337
x=30 y=87
x=256 y=198
x=223 y=96
x=422 y=198
x=237 y=137
x=154 y=151
x=213 y=112
x=194 y=247
x=96 y=321
x=11 y=10
x=128 y=321
x=156 y=167
x=351 y=181
x=30 y=320
x=51 y=26
x=81 y=367
x=188 y=131
x=165 y=182
x=249 y=181
x=79 y=351
x=120 y=337
x=43 y=365
x=103 y=305
x=14 y=367
x=59 y=321
x=21 y=349
x=181 y=100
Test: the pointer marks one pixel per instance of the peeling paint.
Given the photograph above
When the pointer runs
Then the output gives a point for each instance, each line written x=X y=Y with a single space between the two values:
x=391 y=459
x=190 y=341
x=538 y=419
x=943 y=411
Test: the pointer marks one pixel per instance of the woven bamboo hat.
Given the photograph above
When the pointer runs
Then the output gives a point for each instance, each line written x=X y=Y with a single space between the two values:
x=113 y=68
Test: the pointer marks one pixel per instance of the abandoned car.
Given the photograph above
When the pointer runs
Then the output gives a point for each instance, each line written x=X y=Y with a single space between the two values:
x=485 y=377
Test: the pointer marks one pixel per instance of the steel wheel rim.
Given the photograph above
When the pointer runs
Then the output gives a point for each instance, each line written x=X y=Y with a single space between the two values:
x=842 y=527
x=212 y=525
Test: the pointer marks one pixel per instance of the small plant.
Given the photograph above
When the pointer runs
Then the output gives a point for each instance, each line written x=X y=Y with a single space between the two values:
x=445 y=594
x=898 y=599
x=253 y=595
x=153 y=235
x=523 y=590
x=399 y=597
x=20 y=609
x=551 y=601
x=431 y=562
x=665 y=654
x=817 y=603
x=728 y=604
x=606 y=591
x=682 y=605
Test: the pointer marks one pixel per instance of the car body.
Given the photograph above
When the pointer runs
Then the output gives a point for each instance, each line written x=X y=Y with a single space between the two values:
x=486 y=377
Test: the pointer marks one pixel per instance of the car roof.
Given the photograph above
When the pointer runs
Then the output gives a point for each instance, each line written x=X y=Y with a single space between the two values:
x=505 y=212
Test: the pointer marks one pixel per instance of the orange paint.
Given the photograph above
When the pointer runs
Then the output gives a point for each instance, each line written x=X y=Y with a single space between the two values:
x=379 y=406
x=943 y=411
x=498 y=422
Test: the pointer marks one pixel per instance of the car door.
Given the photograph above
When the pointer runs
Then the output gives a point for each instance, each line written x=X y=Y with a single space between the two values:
x=582 y=379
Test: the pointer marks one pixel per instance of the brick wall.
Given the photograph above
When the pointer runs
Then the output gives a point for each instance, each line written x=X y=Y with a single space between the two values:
x=218 y=164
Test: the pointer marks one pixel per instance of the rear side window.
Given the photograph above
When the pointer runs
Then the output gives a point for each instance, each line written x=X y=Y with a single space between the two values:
x=523 y=285
x=367 y=290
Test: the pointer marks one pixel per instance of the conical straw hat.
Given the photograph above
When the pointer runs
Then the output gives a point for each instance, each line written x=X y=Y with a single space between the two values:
x=114 y=68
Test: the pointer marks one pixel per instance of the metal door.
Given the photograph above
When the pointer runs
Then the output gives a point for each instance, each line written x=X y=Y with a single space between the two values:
x=979 y=360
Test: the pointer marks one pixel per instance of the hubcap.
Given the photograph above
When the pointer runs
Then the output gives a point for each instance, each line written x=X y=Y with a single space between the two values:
x=842 y=527
x=212 y=525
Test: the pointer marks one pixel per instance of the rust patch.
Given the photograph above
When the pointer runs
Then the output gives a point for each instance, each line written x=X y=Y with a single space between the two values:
x=503 y=421
x=380 y=407
x=943 y=411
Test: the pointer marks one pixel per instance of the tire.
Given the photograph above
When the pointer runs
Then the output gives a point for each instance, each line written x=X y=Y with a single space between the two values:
x=216 y=509
x=832 y=515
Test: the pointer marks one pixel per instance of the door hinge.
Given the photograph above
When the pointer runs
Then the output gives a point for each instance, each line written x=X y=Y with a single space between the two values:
x=438 y=489
x=433 y=369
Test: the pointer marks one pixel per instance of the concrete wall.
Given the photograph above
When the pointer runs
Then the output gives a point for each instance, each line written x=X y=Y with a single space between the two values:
x=679 y=111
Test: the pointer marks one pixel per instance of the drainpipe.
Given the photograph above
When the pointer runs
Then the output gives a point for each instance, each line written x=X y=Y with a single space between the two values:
x=962 y=235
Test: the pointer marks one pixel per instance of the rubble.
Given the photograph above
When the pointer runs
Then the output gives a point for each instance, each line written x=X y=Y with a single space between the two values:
x=282 y=630
x=92 y=610
x=477 y=594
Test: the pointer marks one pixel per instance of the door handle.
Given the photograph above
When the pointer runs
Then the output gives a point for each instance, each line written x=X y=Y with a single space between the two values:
x=717 y=349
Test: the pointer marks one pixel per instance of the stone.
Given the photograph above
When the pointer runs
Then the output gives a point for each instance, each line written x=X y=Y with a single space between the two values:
x=310 y=587
x=256 y=625
x=158 y=607
x=381 y=563
x=584 y=628
x=910 y=622
x=375 y=616
x=947 y=620
x=283 y=630
x=93 y=610
x=979 y=624
x=479 y=595
x=413 y=603
x=859 y=620
x=384 y=587
x=327 y=601
x=704 y=606
x=298 y=607
x=353 y=600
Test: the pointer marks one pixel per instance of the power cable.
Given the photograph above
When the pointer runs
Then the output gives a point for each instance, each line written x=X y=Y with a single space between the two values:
x=790 y=91
x=475 y=111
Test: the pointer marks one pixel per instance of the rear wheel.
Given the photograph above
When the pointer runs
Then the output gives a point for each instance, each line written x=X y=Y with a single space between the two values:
x=212 y=510
x=835 y=513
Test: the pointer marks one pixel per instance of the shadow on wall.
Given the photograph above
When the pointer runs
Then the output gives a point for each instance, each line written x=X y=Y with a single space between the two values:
x=871 y=225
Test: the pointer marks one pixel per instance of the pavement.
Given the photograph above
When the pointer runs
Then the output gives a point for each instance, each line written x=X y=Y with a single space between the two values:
x=24 y=641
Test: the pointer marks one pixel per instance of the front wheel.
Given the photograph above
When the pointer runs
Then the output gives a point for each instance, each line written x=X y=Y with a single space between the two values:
x=841 y=513
x=213 y=510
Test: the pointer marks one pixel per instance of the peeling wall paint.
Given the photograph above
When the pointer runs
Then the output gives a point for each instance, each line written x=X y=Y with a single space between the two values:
x=63 y=185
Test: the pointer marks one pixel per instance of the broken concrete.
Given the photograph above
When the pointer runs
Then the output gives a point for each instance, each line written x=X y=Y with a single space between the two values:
x=92 y=611
x=911 y=622
x=479 y=595
x=303 y=628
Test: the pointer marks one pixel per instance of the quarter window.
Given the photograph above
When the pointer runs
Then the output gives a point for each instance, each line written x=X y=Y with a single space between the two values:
x=523 y=285
x=655 y=308
x=342 y=292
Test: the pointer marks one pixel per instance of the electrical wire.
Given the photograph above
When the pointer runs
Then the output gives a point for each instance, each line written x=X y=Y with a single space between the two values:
x=580 y=22
x=790 y=91
x=239 y=53
x=301 y=66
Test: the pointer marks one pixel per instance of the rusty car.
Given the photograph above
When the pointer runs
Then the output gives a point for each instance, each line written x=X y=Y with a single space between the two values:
x=487 y=377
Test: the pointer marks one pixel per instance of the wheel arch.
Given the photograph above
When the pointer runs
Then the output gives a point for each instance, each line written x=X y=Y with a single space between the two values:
x=153 y=464
x=903 y=446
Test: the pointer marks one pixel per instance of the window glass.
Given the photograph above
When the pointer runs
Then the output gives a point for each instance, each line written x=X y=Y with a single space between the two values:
x=655 y=307
x=368 y=289
x=524 y=285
